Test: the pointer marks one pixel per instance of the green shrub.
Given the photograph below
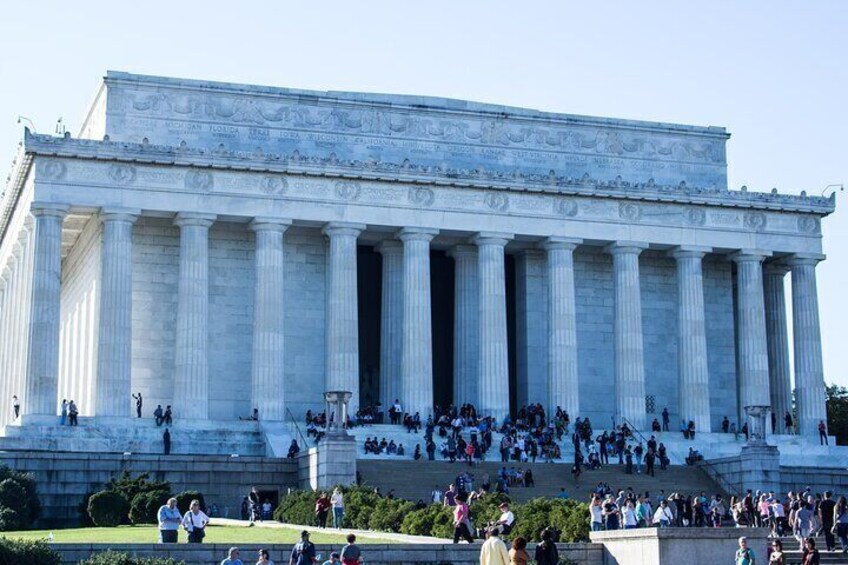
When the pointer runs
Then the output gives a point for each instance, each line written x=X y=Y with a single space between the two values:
x=115 y=558
x=184 y=500
x=144 y=507
x=388 y=514
x=129 y=487
x=20 y=551
x=567 y=516
x=485 y=509
x=434 y=520
x=19 y=494
x=297 y=507
x=360 y=502
x=107 y=508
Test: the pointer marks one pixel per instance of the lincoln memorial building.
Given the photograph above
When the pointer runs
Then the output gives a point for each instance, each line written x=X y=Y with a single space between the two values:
x=220 y=247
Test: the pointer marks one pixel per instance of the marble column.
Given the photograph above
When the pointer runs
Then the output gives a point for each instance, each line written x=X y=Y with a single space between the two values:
x=563 y=383
x=268 y=368
x=493 y=360
x=694 y=374
x=42 y=374
x=113 y=387
x=191 y=381
x=629 y=348
x=416 y=359
x=752 y=348
x=342 y=311
x=391 y=322
x=809 y=375
x=466 y=329
x=777 y=342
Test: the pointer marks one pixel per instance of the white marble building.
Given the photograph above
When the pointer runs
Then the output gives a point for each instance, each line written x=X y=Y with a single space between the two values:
x=219 y=247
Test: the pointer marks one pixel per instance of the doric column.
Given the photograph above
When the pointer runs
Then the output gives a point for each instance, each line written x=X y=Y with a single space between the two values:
x=191 y=382
x=268 y=383
x=563 y=384
x=777 y=341
x=112 y=389
x=466 y=311
x=809 y=376
x=42 y=376
x=694 y=374
x=342 y=311
x=493 y=363
x=416 y=359
x=751 y=329
x=629 y=349
x=391 y=326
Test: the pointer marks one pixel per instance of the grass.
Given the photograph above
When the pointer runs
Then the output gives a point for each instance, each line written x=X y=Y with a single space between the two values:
x=214 y=534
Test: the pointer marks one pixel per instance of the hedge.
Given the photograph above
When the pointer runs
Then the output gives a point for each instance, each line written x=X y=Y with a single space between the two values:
x=144 y=508
x=114 y=558
x=20 y=551
x=107 y=508
x=19 y=505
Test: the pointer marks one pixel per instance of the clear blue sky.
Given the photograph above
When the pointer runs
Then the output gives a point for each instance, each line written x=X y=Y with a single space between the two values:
x=774 y=73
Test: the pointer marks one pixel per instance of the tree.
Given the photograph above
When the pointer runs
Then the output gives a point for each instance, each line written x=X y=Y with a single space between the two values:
x=837 y=413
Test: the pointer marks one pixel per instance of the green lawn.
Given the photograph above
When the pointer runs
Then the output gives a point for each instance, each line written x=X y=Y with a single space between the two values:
x=214 y=534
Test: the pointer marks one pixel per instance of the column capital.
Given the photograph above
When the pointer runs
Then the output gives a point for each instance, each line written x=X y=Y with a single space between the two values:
x=108 y=214
x=333 y=229
x=49 y=209
x=776 y=268
x=557 y=242
x=389 y=247
x=804 y=259
x=626 y=247
x=689 y=251
x=748 y=255
x=266 y=223
x=416 y=234
x=458 y=251
x=7 y=272
x=194 y=219
x=492 y=238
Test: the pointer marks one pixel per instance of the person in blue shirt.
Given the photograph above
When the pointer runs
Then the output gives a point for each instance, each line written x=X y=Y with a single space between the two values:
x=169 y=521
x=303 y=553
x=232 y=557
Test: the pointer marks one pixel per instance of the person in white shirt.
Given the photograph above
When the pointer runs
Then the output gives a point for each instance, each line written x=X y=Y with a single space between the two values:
x=663 y=516
x=596 y=512
x=436 y=495
x=337 y=501
x=195 y=522
x=504 y=524
x=629 y=512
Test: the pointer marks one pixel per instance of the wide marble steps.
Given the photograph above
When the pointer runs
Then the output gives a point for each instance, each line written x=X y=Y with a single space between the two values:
x=416 y=479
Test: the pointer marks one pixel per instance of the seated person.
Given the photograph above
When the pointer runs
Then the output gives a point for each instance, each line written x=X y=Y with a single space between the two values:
x=391 y=449
x=294 y=449
x=400 y=451
x=506 y=521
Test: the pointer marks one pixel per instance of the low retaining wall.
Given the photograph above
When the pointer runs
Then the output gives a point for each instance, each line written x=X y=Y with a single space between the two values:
x=376 y=554
x=65 y=478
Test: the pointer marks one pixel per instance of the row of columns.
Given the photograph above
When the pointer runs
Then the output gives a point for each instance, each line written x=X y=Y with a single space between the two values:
x=480 y=356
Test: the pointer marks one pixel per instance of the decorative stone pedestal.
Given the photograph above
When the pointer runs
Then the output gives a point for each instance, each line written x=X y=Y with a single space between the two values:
x=333 y=461
x=759 y=468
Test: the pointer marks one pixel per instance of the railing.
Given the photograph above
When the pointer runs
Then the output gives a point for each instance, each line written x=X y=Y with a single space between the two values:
x=634 y=430
x=709 y=469
x=296 y=427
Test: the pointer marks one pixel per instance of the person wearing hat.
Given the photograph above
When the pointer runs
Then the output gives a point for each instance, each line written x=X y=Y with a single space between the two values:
x=504 y=524
x=303 y=553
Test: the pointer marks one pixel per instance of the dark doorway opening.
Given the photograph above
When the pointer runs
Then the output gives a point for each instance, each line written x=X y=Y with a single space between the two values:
x=369 y=278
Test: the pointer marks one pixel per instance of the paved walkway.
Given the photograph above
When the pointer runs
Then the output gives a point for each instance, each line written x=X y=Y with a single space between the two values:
x=365 y=534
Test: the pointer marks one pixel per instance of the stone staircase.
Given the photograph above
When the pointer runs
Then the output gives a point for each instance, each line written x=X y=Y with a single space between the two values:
x=416 y=479
x=244 y=438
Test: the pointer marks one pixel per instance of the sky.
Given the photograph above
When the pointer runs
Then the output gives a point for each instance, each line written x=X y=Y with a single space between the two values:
x=774 y=73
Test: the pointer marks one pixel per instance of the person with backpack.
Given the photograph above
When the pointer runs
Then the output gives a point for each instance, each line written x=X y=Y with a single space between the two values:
x=745 y=555
x=303 y=553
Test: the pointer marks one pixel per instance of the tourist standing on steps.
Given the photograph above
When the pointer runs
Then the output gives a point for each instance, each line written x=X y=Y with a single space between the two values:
x=826 y=515
x=169 y=521
x=64 y=412
x=195 y=522
x=232 y=557
x=665 y=418
x=139 y=401
x=787 y=421
x=811 y=554
x=73 y=412
x=16 y=407
x=776 y=556
x=822 y=434
x=166 y=442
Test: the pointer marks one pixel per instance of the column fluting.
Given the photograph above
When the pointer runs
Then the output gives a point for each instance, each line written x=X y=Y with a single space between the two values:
x=42 y=374
x=777 y=342
x=342 y=311
x=751 y=328
x=629 y=346
x=466 y=328
x=416 y=361
x=563 y=384
x=694 y=374
x=809 y=375
x=114 y=350
x=391 y=322
x=493 y=363
x=191 y=381
x=268 y=368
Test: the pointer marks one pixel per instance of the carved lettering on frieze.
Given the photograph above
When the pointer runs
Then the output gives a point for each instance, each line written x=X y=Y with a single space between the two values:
x=566 y=207
x=348 y=190
x=497 y=201
x=755 y=220
x=629 y=211
x=696 y=216
x=199 y=180
x=808 y=224
x=273 y=185
x=52 y=169
x=421 y=196
x=121 y=173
